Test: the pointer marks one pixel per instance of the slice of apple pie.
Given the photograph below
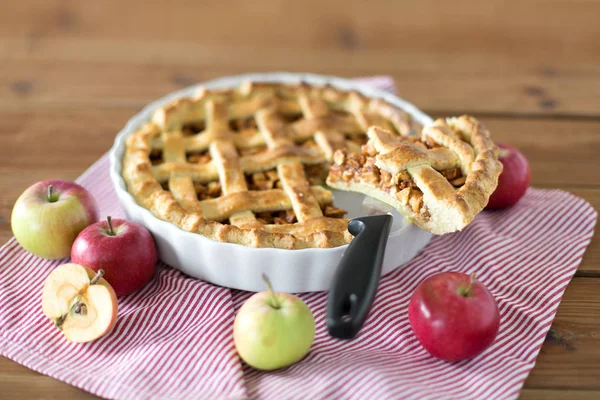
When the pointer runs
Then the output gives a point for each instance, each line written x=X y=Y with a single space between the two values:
x=440 y=180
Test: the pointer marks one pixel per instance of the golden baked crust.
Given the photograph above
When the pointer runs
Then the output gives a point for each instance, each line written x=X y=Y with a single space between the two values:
x=441 y=180
x=242 y=166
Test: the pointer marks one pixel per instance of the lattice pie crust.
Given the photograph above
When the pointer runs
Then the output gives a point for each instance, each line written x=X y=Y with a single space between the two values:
x=247 y=166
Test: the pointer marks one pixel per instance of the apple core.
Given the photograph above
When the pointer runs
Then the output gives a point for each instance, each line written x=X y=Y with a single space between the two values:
x=78 y=307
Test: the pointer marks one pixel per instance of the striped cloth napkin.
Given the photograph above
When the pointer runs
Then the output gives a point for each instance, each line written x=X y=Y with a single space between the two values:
x=173 y=339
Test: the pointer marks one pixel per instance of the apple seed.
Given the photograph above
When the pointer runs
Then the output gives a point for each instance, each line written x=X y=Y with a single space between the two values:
x=81 y=309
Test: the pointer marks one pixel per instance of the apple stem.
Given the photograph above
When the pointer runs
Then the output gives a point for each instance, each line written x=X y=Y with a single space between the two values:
x=96 y=278
x=467 y=292
x=274 y=303
x=51 y=198
x=111 y=232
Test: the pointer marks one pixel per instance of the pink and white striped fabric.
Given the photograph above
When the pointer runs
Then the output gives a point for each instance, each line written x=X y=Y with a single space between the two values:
x=173 y=339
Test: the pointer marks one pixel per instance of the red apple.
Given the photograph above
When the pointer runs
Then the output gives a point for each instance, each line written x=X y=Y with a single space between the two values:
x=49 y=215
x=514 y=179
x=454 y=316
x=123 y=249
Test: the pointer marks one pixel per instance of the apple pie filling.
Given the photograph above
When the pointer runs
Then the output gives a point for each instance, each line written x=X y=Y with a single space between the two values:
x=156 y=157
x=193 y=128
x=242 y=124
x=361 y=168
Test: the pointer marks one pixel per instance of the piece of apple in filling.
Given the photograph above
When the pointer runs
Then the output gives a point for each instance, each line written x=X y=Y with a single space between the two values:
x=80 y=302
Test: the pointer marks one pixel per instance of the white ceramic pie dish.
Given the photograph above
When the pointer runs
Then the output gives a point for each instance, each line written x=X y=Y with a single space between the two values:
x=241 y=267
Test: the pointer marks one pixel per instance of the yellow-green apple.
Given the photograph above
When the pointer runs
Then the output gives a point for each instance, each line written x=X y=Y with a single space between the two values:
x=273 y=330
x=49 y=215
x=123 y=249
x=80 y=302
x=514 y=179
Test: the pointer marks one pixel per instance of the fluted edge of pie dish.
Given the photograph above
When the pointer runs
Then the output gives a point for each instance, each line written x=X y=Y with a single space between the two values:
x=240 y=267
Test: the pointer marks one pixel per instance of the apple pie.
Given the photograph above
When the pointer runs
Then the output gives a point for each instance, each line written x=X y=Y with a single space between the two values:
x=248 y=165
x=440 y=179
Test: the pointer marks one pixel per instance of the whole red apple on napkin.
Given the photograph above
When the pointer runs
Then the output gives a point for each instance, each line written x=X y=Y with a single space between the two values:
x=123 y=249
x=454 y=316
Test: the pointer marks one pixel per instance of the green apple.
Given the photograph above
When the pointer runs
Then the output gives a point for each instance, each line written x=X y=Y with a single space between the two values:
x=273 y=330
x=49 y=215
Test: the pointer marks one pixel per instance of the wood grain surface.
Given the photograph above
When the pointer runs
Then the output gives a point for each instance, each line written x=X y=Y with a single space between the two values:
x=73 y=72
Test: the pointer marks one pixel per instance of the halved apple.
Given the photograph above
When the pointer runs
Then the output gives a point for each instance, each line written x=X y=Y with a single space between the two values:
x=80 y=302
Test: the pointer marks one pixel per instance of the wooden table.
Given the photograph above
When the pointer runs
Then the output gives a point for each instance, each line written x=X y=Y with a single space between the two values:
x=72 y=73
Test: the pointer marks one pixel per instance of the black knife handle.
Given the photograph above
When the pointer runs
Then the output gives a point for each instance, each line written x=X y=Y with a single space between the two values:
x=355 y=281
